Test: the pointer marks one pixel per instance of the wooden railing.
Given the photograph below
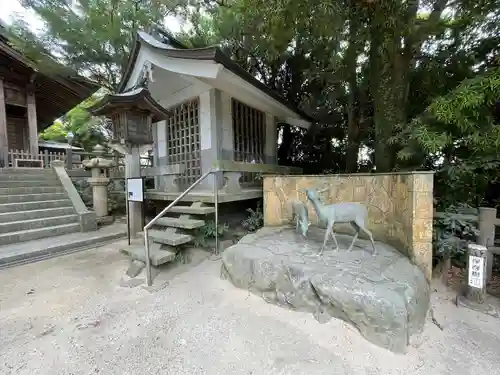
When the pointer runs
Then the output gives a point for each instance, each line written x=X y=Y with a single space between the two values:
x=22 y=158
x=73 y=160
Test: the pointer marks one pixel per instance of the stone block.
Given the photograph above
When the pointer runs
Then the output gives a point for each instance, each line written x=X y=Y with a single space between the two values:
x=88 y=221
x=135 y=268
x=385 y=296
x=423 y=181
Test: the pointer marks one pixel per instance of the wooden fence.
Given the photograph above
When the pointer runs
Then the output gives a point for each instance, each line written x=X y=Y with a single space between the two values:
x=21 y=158
x=73 y=161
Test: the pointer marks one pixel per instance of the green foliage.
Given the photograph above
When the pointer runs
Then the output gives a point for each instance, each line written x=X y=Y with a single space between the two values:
x=207 y=232
x=452 y=234
x=255 y=219
x=93 y=38
x=412 y=82
x=87 y=130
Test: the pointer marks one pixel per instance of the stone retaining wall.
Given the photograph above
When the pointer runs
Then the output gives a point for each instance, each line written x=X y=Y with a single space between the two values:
x=400 y=206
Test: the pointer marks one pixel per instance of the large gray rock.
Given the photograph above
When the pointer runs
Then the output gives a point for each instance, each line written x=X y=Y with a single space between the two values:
x=385 y=296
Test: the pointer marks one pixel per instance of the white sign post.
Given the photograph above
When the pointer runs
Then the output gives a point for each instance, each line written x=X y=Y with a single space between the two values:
x=135 y=193
x=135 y=189
x=476 y=271
x=476 y=280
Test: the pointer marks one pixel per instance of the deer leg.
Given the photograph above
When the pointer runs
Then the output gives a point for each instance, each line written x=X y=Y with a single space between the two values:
x=363 y=228
x=335 y=239
x=329 y=228
x=356 y=227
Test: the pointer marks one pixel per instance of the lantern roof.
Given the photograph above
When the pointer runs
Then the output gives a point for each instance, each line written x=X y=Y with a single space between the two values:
x=138 y=99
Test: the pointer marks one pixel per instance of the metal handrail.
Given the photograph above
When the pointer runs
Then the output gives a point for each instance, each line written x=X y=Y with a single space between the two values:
x=165 y=210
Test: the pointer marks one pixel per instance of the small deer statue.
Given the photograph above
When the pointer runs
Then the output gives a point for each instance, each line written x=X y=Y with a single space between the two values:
x=301 y=217
x=348 y=212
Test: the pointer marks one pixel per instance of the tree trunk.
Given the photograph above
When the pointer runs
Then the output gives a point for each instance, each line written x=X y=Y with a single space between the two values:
x=388 y=85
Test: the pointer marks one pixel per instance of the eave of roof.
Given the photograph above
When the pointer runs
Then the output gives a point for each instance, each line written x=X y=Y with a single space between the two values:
x=137 y=98
x=74 y=88
x=212 y=53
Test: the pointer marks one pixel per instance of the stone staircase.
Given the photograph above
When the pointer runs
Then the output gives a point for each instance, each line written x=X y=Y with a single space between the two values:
x=34 y=205
x=171 y=232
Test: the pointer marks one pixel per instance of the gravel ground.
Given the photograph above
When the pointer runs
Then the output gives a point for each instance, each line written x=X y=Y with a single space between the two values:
x=71 y=316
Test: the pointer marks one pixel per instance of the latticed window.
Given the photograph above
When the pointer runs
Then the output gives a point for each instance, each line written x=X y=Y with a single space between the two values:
x=249 y=129
x=184 y=140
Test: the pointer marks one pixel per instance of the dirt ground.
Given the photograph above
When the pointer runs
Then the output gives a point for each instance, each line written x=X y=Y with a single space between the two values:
x=69 y=315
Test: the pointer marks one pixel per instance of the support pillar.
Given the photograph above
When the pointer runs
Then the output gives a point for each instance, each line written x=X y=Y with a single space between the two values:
x=487 y=218
x=210 y=134
x=133 y=170
x=227 y=128
x=161 y=152
x=271 y=141
x=4 y=145
x=32 y=121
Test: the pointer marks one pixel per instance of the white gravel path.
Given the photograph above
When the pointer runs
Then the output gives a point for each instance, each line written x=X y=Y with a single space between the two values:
x=70 y=316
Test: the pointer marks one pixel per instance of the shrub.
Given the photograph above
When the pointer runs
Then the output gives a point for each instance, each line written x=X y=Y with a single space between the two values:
x=255 y=219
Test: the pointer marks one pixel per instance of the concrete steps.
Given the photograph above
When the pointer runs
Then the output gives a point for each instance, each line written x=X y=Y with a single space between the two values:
x=44 y=248
x=23 y=225
x=11 y=177
x=180 y=222
x=31 y=190
x=28 y=206
x=169 y=237
x=171 y=233
x=33 y=206
x=19 y=198
x=35 y=214
x=35 y=234
x=28 y=183
x=158 y=255
x=193 y=210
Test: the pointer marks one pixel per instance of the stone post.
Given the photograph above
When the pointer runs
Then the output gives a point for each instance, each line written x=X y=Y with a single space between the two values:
x=476 y=265
x=487 y=217
x=99 y=182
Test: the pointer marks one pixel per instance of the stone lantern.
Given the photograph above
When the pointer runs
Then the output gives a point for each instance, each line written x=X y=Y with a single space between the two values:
x=132 y=114
x=99 y=181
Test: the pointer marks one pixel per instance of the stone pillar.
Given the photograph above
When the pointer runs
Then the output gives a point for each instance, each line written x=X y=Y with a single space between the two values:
x=271 y=140
x=210 y=133
x=487 y=218
x=32 y=120
x=419 y=220
x=133 y=170
x=4 y=145
x=476 y=266
x=99 y=181
x=100 y=195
